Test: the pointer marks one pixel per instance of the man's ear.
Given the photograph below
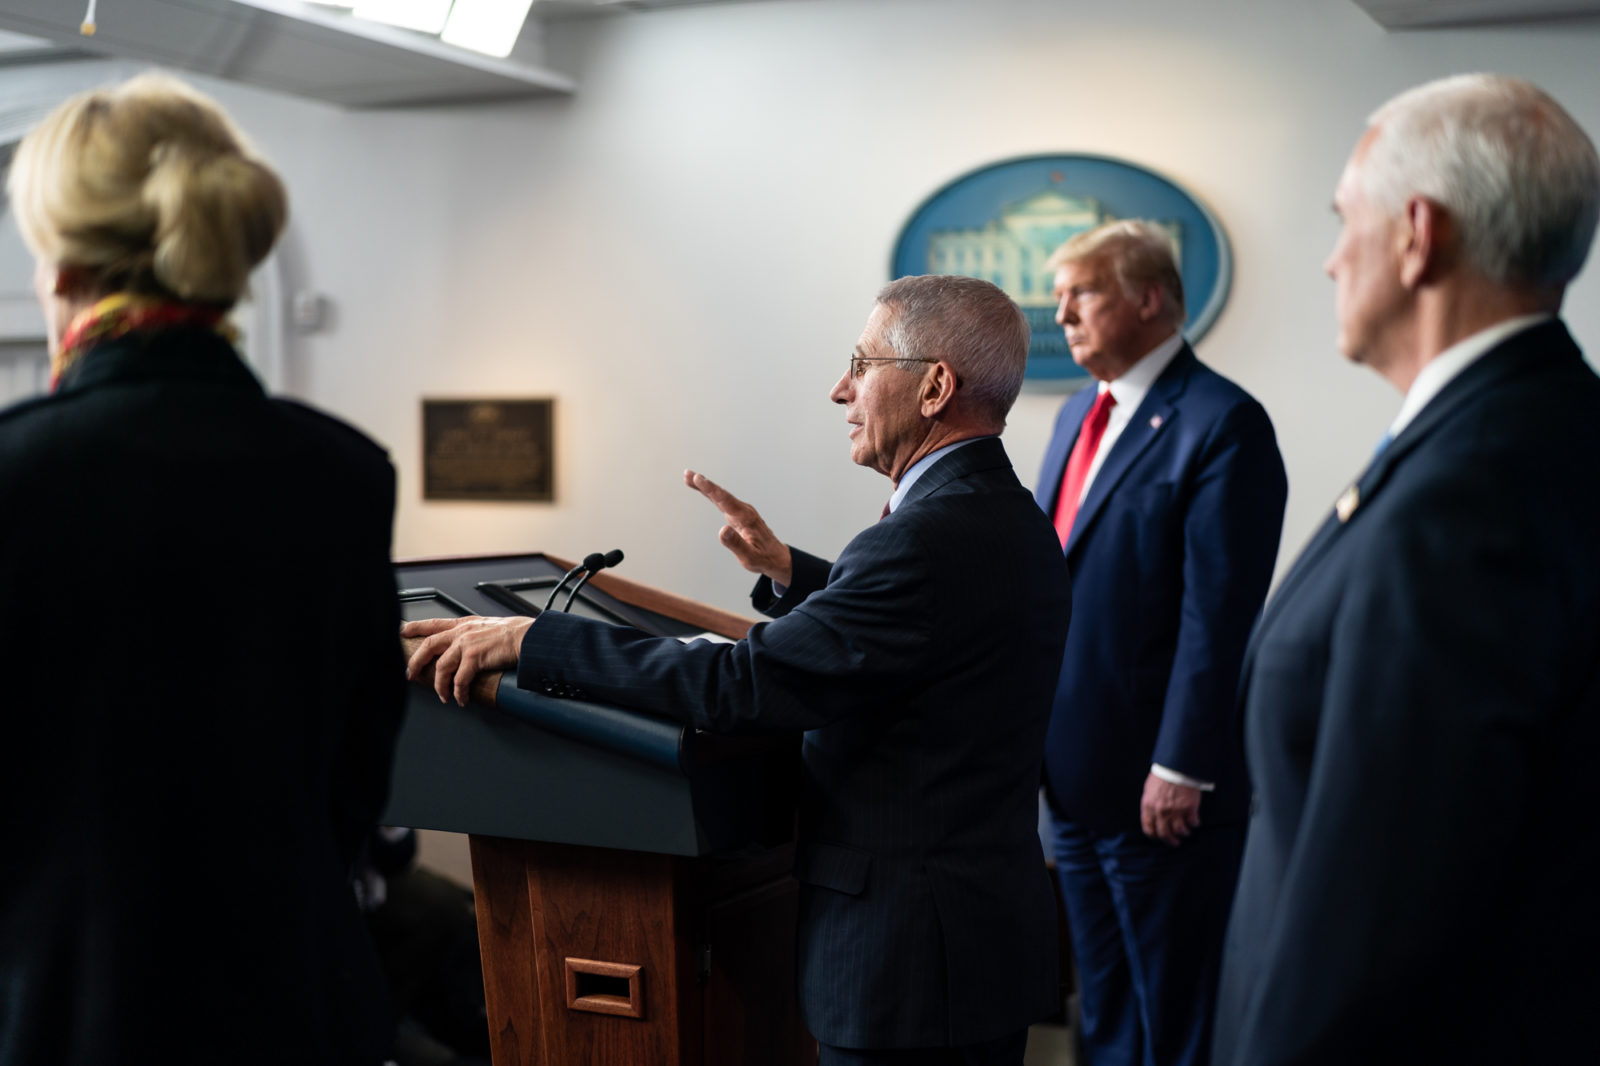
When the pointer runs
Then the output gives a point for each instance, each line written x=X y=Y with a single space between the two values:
x=939 y=389
x=1150 y=303
x=1426 y=236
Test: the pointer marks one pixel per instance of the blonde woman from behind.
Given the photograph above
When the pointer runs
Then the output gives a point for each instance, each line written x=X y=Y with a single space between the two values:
x=180 y=810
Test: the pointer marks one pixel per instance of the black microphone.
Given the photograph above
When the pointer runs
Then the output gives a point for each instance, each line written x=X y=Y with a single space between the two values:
x=611 y=558
x=592 y=561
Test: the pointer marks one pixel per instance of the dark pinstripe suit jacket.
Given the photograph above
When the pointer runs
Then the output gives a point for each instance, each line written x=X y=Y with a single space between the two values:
x=921 y=666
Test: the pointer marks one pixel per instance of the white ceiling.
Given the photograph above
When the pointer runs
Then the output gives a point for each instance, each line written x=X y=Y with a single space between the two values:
x=294 y=47
x=1419 y=14
x=299 y=48
x=284 y=45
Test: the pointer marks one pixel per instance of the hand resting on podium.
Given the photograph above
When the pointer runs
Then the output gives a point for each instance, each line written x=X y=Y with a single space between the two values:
x=459 y=651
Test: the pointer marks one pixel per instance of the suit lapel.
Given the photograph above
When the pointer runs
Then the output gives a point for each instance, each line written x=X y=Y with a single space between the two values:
x=1054 y=467
x=984 y=454
x=1547 y=341
x=1149 y=420
x=1315 y=547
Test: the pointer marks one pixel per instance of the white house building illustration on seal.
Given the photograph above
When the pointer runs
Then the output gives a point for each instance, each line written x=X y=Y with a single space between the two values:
x=1011 y=250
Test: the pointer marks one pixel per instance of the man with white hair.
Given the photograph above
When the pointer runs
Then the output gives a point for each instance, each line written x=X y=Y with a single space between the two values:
x=1422 y=694
x=919 y=666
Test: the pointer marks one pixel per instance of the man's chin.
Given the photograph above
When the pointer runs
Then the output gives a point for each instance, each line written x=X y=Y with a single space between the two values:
x=1088 y=364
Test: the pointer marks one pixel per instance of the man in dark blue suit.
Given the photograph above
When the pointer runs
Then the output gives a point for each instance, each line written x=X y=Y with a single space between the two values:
x=920 y=667
x=1167 y=492
x=1422 y=695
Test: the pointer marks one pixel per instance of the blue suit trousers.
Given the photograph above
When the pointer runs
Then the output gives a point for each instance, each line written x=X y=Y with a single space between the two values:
x=1147 y=922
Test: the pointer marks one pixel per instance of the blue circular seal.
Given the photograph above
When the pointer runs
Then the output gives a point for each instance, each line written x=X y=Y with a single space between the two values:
x=1002 y=221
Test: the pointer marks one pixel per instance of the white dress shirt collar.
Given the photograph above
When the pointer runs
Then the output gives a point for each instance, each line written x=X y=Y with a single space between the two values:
x=1444 y=367
x=1130 y=389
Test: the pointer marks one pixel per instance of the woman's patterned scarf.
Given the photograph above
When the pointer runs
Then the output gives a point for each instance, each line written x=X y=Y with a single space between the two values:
x=123 y=313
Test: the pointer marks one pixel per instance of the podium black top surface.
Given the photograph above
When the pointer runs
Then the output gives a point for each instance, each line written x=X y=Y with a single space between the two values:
x=568 y=771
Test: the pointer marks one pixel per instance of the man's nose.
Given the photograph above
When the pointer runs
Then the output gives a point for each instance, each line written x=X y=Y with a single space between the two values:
x=841 y=389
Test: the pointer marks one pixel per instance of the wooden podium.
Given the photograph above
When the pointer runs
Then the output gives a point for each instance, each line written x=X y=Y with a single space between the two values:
x=632 y=875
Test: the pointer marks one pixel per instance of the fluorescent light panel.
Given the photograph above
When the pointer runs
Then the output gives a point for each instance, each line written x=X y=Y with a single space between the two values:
x=425 y=16
x=487 y=26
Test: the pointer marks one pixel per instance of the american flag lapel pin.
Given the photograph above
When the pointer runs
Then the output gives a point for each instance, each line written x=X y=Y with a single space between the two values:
x=1155 y=421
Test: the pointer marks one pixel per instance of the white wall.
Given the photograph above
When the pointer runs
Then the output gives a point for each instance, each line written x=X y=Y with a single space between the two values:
x=683 y=253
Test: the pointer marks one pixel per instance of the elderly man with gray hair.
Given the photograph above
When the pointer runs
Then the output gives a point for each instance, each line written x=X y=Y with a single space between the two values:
x=1167 y=491
x=919 y=666
x=1422 y=694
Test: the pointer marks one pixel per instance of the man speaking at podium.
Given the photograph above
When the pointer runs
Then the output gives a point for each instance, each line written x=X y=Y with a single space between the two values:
x=920 y=666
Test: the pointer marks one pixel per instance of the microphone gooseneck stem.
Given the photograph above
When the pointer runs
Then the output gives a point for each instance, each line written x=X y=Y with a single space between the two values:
x=592 y=561
x=559 y=586
x=572 y=593
x=611 y=558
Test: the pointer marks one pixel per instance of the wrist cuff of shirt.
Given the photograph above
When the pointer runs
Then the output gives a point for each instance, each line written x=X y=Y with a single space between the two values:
x=1175 y=778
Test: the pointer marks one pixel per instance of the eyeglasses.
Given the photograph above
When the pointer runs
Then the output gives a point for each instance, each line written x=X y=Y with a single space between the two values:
x=858 y=363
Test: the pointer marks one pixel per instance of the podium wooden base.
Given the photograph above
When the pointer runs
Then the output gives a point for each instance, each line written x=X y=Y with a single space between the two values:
x=604 y=956
x=634 y=897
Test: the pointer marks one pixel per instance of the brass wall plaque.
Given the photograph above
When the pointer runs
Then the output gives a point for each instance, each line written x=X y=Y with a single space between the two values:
x=488 y=450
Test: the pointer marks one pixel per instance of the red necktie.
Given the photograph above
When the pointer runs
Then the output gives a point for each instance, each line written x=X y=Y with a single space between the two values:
x=1078 y=463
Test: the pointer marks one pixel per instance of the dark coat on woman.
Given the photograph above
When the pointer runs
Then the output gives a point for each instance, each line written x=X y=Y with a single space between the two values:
x=203 y=686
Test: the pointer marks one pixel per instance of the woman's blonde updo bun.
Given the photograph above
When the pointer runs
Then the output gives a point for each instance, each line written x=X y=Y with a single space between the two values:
x=149 y=188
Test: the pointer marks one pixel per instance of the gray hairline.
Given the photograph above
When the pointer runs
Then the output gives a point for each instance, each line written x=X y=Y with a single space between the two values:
x=1458 y=141
x=983 y=369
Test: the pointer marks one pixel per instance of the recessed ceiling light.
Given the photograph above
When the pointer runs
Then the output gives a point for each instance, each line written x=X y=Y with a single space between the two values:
x=425 y=16
x=487 y=26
